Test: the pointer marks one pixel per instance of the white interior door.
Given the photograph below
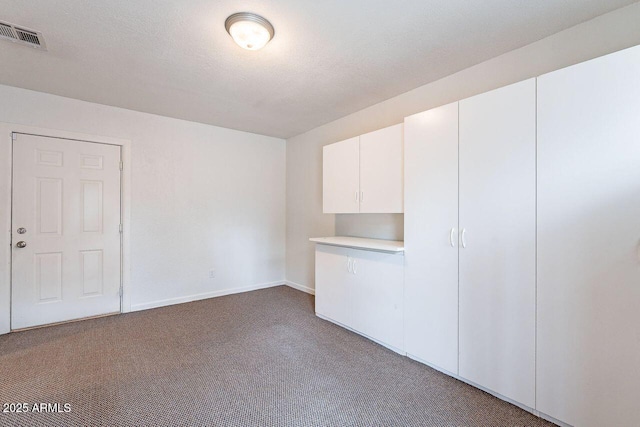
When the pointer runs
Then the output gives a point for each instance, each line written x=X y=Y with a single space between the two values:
x=498 y=240
x=430 y=236
x=381 y=171
x=589 y=242
x=65 y=230
x=341 y=177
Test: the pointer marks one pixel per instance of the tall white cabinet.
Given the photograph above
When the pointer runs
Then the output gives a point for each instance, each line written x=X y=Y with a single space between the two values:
x=470 y=239
x=431 y=239
x=498 y=240
x=588 y=357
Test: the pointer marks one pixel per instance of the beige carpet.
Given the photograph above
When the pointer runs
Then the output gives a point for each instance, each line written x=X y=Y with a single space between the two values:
x=256 y=359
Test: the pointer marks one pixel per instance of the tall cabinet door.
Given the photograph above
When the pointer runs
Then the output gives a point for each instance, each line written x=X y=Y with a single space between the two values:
x=381 y=171
x=431 y=248
x=341 y=177
x=588 y=359
x=498 y=240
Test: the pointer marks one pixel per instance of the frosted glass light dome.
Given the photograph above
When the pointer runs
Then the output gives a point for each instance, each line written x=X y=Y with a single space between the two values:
x=248 y=30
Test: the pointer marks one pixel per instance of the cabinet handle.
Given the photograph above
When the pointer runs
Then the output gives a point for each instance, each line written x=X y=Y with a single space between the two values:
x=464 y=243
x=349 y=265
x=356 y=196
x=453 y=243
x=361 y=196
x=355 y=267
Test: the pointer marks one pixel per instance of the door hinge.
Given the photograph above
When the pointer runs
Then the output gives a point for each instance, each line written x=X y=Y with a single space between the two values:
x=14 y=136
x=120 y=228
x=121 y=165
x=120 y=291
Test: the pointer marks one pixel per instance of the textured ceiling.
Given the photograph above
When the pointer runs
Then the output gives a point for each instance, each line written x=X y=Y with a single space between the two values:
x=328 y=59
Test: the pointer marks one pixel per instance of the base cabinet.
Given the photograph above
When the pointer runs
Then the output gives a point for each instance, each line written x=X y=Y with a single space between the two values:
x=362 y=290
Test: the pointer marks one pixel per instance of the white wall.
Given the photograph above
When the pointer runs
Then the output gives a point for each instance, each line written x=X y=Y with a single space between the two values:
x=201 y=197
x=608 y=33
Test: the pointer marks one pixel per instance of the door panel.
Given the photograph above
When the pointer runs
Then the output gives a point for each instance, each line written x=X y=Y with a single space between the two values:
x=431 y=249
x=341 y=177
x=498 y=228
x=334 y=283
x=91 y=271
x=49 y=206
x=588 y=360
x=377 y=304
x=381 y=171
x=91 y=202
x=48 y=276
x=66 y=194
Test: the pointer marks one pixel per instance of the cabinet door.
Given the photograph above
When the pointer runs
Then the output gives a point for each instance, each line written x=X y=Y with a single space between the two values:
x=341 y=177
x=430 y=236
x=588 y=359
x=381 y=171
x=334 y=284
x=377 y=299
x=498 y=240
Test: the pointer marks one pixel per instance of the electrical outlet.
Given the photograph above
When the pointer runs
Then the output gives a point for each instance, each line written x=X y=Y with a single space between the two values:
x=212 y=274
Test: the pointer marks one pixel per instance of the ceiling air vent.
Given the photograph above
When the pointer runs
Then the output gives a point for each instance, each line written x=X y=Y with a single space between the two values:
x=7 y=31
x=21 y=36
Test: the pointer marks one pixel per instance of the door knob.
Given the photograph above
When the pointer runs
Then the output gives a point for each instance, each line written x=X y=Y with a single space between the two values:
x=22 y=230
x=21 y=244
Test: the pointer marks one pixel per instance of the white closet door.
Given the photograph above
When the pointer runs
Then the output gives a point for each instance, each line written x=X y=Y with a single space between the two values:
x=430 y=236
x=498 y=240
x=381 y=173
x=588 y=363
x=334 y=283
x=341 y=177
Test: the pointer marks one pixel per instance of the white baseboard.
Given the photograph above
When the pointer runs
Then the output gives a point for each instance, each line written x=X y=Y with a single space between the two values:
x=498 y=395
x=206 y=295
x=300 y=287
x=400 y=351
x=471 y=383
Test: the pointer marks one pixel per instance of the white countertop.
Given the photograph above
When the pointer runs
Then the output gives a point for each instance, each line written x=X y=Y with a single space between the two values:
x=361 y=243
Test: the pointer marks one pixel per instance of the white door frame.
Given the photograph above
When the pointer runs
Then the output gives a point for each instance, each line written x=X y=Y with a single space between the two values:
x=6 y=165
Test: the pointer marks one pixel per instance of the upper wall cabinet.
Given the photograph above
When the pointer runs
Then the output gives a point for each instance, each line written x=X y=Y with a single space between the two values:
x=364 y=174
x=341 y=177
x=381 y=171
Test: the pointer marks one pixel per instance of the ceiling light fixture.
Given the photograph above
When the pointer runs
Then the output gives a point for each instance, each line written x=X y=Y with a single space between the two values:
x=250 y=31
